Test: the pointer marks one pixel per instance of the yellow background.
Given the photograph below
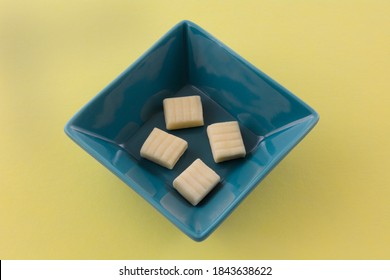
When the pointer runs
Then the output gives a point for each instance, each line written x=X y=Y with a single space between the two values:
x=328 y=199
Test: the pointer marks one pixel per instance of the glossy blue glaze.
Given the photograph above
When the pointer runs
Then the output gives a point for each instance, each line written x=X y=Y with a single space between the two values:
x=188 y=60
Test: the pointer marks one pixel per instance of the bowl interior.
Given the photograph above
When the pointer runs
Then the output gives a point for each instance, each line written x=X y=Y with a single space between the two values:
x=187 y=61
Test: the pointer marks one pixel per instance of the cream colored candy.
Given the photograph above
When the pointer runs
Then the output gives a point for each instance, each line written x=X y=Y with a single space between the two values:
x=183 y=112
x=196 y=182
x=163 y=148
x=226 y=141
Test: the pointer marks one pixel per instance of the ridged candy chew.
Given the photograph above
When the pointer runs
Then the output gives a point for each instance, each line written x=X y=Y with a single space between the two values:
x=163 y=148
x=226 y=141
x=183 y=112
x=195 y=182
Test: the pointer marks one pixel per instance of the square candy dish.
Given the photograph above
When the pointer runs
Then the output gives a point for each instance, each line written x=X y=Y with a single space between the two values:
x=189 y=61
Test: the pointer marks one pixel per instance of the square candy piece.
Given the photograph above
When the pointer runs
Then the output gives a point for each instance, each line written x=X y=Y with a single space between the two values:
x=183 y=112
x=195 y=182
x=226 y=141
x=163 y=148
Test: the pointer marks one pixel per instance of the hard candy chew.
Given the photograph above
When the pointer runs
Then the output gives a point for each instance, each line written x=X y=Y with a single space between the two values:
x=195 y=182
x=226 y=141
x=183 y=112
x=163 y=148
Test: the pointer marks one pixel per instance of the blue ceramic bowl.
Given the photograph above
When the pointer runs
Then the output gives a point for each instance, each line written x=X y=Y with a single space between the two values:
x=185 y=61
